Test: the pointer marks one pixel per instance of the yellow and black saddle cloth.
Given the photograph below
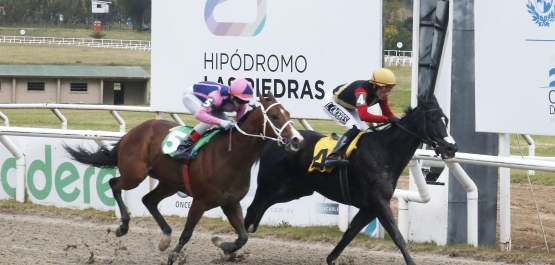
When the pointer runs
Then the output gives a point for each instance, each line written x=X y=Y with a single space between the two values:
x=324 y=147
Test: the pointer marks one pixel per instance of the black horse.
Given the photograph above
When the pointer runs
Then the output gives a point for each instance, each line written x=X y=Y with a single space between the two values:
x=373 y=170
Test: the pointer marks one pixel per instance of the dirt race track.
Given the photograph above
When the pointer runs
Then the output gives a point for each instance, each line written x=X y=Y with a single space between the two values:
x=44 y=238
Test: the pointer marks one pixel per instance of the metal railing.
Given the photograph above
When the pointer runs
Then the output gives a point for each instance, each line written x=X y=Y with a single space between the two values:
x=143 y=45
x=397 y=57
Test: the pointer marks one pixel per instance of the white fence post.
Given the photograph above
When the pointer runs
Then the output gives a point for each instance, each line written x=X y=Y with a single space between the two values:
x=19 y=167
x=504 y=194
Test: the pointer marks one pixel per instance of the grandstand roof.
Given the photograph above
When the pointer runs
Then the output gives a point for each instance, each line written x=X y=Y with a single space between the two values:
x=67 y=71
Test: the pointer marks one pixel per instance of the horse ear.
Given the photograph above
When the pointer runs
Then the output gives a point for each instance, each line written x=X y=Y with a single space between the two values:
x=420 y=100
x=271 y=97
x=261 y=98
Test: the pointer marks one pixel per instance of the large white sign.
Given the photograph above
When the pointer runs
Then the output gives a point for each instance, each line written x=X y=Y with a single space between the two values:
x=297 y=50
x=515 y=66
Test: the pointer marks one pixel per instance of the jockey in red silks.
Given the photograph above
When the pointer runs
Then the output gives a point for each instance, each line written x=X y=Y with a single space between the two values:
x=208 y=101
x=348 y=105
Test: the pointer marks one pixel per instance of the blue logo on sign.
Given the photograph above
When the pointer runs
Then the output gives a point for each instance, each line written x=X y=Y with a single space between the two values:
x=542 y=11
x=552 y=73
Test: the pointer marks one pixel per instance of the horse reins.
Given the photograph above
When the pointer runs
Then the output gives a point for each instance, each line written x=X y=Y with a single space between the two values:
x=277 y=131
x=427 y=141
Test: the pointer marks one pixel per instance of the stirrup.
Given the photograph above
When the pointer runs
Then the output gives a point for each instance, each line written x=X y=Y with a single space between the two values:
x=182 y=153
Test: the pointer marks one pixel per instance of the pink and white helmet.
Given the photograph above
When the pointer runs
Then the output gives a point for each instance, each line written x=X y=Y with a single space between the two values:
x=241 y=88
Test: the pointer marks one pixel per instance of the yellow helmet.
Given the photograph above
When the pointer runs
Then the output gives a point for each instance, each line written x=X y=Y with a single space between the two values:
x=383 y=77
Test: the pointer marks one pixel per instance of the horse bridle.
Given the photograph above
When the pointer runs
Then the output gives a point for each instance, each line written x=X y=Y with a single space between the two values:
x=428 y=140
x=280 y=139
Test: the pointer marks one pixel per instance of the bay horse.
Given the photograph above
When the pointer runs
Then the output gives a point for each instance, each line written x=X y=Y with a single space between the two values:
x=373 y=170
x=218 y=176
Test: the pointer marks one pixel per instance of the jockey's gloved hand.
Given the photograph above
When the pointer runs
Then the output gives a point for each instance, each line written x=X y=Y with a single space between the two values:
x=226 y=124
x=392 y=120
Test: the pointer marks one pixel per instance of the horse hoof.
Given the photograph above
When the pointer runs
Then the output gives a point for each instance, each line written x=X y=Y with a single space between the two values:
x=121 y=231
x=217 y=241
x=232 y=257
x=165 y=242
x=172 y=257
x=251 y=229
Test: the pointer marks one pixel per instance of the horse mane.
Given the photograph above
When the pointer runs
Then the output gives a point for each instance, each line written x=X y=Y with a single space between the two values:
x=408 y=111
x=246 y=115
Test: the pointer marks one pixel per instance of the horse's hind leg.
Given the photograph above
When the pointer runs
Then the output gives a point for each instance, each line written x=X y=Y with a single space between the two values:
x=116 y=190
x=151 y=200
x=388 y=222
x=195 y=213
x=362 y=218
x=235 y=217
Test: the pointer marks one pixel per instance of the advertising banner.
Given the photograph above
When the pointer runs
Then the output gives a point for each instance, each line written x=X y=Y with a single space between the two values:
x=297 y=50
x=52 y=178
x=515 y=67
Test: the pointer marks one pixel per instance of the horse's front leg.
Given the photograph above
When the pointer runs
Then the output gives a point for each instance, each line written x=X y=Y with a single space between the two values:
x=256 y=210
x=268 y=195
x=362 y=218
x=195 y=213
x=388 y=222
x=151 y=201
x=116 y=191
x=234 y=215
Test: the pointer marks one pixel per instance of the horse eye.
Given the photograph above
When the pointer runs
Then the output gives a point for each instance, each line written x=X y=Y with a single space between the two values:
x=445 y=120
x=274 y=117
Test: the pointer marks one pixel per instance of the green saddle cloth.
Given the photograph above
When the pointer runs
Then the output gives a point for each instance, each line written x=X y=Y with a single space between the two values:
x=177 y=134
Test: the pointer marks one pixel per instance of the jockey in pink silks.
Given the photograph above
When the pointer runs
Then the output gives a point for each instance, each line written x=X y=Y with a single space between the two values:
x=208 y=101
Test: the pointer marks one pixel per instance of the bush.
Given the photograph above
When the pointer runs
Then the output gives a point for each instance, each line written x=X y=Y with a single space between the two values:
x=97 y=35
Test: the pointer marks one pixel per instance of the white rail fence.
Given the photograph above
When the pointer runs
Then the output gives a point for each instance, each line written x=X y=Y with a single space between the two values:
x=142 y=45
x=56 y=107
x=403 y=196
x=397 y=57
x=391 y=57
x=98 y=136
x=502 y=162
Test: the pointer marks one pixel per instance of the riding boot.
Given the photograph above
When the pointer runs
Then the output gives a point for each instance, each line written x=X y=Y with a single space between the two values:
x=338 y=156
x=185 y=147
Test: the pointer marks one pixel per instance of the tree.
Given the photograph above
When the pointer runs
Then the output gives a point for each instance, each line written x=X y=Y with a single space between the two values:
x=138 y=11
x=397 y=28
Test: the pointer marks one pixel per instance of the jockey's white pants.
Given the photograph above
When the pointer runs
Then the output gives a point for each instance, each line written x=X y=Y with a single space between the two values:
x=341 y=115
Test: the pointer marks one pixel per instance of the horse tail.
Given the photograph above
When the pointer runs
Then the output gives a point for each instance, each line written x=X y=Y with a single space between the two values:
x=103 y=157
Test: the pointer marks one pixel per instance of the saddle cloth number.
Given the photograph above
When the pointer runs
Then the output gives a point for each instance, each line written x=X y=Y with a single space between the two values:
x=177 y=134
x=173 y=140
x=319 y=158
